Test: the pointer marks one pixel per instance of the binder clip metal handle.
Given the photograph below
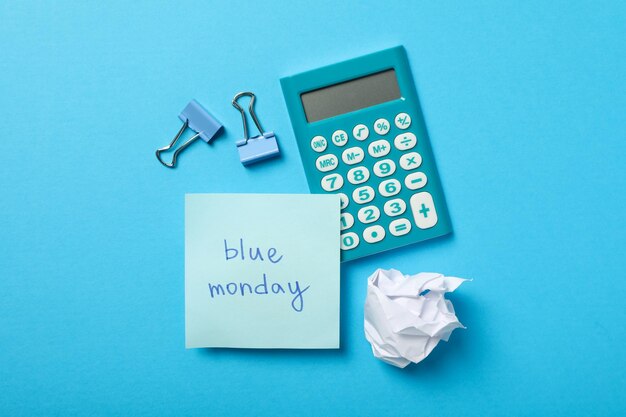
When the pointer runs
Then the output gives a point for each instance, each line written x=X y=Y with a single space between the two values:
x=250 y=110
x=257 y=148
x=195 y=117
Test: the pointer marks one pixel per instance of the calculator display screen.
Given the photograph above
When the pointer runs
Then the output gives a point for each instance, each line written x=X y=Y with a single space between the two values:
x=351 y=95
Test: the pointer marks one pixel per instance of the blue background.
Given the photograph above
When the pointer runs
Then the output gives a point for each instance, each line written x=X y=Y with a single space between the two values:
x=525 y=105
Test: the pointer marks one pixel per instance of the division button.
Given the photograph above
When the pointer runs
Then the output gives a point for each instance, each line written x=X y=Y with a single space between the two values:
x=326 y=162
x=319 y=144
x=340 y=137
x=349 y=241
x=415 y=181
x=423 y=209
x=400 y=227
x=402 y=121
x=405 y=141
x=360 y=132
x=374 y=234
x=410 y=161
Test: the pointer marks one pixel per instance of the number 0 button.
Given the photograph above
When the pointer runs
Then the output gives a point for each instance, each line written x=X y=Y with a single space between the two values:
x=349 y=241
x=332 y=182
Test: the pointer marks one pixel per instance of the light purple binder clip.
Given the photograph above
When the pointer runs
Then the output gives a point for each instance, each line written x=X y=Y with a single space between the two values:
x=195 y=117
x=257 y=148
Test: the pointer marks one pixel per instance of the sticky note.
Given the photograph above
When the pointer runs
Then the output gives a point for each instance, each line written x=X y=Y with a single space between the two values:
x=262 y=270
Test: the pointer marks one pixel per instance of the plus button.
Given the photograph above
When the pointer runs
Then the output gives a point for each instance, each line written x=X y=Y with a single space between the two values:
x=424 y=210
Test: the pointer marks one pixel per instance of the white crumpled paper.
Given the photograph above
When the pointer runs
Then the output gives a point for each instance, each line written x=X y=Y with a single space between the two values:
x=407 y=315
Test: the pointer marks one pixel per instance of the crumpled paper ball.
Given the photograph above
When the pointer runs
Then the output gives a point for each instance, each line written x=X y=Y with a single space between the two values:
x=407 y=315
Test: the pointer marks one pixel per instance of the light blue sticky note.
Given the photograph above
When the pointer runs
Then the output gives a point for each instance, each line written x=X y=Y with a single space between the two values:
x=262 y=270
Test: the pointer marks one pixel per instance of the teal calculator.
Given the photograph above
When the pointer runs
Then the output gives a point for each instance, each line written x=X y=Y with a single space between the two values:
x=361 y=134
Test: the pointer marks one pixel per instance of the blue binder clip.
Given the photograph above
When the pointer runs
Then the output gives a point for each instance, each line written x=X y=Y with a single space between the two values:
x=195 y=117
x=257 y=148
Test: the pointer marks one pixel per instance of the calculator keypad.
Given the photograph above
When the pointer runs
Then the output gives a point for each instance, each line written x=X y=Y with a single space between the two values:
x=376 y=176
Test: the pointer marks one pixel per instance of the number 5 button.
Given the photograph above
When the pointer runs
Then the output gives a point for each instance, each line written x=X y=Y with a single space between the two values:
x=363 y=195
x=332 y=182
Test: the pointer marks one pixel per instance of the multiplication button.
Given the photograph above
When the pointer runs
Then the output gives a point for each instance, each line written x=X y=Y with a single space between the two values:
x=374 y=234
x=319 y=144
x=410 y=161
x=360 y=132
x=423 y=209
x=400 y=227
x=402 y=121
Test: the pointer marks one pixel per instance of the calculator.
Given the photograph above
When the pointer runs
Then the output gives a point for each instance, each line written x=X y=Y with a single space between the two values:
x=361 y=135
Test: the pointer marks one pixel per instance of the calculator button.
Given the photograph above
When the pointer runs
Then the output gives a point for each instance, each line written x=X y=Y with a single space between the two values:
x=353 y=155
x=384 y=168
x=349 y=241
x=381 y=126
x=332 y=182
x=360 y=132
x=405 y=141
x=395 y=207
x=344 y=200
x=423 y=209
x=368 y=214
x=400 y=227
x=326 y=162
x=389 y=187
x=410 y=160
x=358 y=175
x=363 y=194
x=402 y=121
x=379 y=148
x=374 y=234
x=319 y=144
x=340 y=137
x=415 y=180
x=347 y=221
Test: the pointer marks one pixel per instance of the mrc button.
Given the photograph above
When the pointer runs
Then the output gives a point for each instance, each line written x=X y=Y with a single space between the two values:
x=326 y=162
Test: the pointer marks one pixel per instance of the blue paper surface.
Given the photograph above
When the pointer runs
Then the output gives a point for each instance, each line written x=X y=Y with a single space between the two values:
x=524 y=102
